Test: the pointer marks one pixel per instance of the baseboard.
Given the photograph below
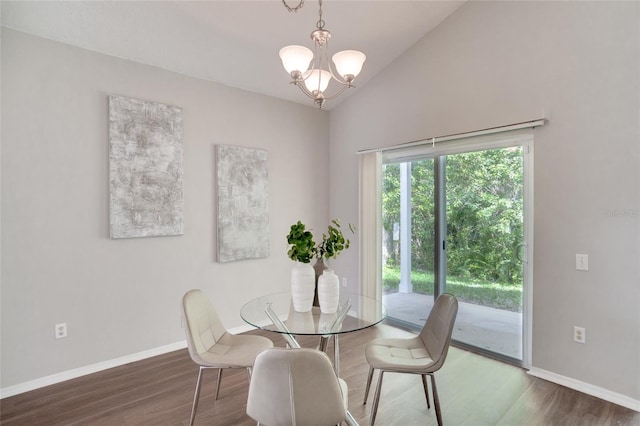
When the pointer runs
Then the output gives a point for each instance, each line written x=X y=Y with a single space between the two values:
x=587 y=388
x=89 y=369
x=94 y=368
x=244 y=328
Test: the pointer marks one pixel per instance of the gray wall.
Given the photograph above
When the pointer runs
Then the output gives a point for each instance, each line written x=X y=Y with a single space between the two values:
x=489 y=64
x=120 y=297
x=496 y=63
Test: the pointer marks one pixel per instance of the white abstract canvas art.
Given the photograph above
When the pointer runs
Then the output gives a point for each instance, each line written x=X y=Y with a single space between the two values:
x=243 y=214
x=145 y=168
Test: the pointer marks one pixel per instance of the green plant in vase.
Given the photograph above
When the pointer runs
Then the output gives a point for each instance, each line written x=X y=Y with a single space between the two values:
x=332 y=244
x=301 y=245
x=301 y=251
x=302 y=248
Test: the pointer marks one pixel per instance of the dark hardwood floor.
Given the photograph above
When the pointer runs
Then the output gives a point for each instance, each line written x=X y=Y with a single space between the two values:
x=473 y=391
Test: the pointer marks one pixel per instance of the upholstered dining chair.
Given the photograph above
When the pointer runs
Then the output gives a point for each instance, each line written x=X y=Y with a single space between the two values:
x=211 y=346
x=296 y=387
x=423 y=354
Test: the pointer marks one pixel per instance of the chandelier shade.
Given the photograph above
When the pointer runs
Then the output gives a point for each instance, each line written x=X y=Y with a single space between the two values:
x=316 y=81
x=312 y=71
x=295 y=58
x=349 y=63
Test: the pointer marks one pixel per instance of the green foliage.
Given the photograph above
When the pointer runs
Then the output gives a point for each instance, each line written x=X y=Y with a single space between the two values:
x=302 y=246
x=484 y=211
x=484 y=215
x=333 y=242
x=391 y=209
x=423 y=214
x=487 y=293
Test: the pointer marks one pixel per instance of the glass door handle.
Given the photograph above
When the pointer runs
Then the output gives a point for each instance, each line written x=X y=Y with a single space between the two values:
x=521 y=253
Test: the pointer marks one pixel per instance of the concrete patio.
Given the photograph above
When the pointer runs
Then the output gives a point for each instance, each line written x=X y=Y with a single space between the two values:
x=488 y=328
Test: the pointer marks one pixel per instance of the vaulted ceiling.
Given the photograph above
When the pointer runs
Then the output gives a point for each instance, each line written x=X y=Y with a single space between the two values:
x=235 y=43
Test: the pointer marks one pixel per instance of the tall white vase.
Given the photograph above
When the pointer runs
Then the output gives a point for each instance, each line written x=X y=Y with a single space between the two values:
x=302 y=286
x=328 y=292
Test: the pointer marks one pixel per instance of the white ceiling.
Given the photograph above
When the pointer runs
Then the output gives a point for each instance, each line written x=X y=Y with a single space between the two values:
x=235 y=43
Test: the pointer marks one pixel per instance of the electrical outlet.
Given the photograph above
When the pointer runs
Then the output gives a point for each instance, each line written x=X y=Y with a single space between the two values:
x=61 y=330
x=579 y=334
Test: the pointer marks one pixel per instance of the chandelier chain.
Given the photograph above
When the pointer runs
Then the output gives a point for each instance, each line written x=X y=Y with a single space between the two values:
x=320 y=23
x=295 y=8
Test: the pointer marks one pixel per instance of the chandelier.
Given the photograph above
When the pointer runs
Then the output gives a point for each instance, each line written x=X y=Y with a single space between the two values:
x=312 y=71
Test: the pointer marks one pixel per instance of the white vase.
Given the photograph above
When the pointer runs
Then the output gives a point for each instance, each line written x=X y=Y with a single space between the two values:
x=328 y=292
x=302 y=286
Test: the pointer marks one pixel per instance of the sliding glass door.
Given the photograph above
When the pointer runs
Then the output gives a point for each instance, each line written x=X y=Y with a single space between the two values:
x=408 y=240
x=485 y=225
x=455 y=222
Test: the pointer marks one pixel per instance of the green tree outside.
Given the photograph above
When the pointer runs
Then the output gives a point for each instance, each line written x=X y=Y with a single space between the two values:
x=484 y=226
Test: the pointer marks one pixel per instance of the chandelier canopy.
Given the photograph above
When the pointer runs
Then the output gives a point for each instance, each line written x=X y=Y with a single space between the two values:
x=312 y=71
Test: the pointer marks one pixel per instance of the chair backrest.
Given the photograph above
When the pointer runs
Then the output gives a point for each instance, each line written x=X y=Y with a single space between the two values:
x=295 y=386
x=436 y=333
x=203 y=326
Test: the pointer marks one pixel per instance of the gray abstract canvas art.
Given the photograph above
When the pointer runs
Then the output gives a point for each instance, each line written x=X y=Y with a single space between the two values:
x=145 y=168
x=243 y=214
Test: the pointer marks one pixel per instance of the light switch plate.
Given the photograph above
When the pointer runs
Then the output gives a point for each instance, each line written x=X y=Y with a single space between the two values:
x=582 y=262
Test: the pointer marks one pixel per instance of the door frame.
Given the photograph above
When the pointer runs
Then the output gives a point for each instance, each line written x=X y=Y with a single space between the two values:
x=523 y=138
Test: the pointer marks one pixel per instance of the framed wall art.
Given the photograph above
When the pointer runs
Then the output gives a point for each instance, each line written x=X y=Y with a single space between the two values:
x=243 y=198
x=145 y=169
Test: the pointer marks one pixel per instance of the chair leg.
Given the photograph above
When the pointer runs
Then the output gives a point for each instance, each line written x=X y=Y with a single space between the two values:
x=436 y=401
x=196 y=397
x=218 y=384
x=366 y=389
x=374 y=408
x=426 y=389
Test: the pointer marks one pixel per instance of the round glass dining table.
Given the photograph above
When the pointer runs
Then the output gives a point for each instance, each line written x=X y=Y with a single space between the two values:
x=362 y=312
x=275 y=313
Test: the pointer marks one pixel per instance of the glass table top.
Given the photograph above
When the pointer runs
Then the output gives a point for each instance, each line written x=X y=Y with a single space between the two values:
x=275 y=312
